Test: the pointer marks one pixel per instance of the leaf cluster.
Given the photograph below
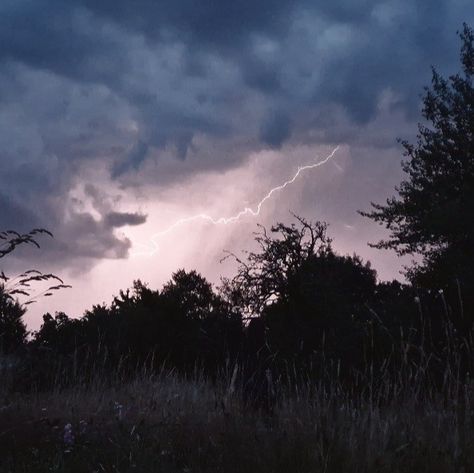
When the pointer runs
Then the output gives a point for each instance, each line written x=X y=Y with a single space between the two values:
x=432 y=213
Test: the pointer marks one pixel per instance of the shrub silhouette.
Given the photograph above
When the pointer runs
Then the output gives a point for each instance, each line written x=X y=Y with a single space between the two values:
x=13 y=331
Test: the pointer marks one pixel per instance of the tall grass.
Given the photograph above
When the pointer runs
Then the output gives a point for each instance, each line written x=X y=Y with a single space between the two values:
x=162 y=421
x=412 y=411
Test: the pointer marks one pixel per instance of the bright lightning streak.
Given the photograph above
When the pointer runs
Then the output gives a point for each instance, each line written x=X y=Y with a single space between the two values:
x=151 y=250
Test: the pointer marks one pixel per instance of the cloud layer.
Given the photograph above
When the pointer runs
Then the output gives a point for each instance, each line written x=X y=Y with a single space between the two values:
x=106 y=104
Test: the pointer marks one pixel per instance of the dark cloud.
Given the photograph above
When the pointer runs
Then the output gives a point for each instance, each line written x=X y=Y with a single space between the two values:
x=261 y=74
x=120 y=219
x=83 y=240
x=217 y=23
x=132 y=161
x=77 y=245
x=57 y=36
x=275 y=129
x=339 y=52
x=14 y=216
x=98 y=90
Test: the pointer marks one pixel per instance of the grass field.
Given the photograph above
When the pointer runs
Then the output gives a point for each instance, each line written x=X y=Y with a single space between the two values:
x=166 y=423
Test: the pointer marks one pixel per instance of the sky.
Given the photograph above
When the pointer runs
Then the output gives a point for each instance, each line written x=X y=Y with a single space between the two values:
x=119 y=118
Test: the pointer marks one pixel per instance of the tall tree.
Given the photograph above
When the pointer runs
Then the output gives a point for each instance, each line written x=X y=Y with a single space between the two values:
x=432 y=214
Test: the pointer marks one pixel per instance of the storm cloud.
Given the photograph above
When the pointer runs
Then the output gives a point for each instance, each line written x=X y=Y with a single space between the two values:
x=105 y=94
x=120 y=219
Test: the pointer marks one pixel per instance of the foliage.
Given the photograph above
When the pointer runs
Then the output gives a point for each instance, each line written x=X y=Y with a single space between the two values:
x=271 y=274
x=191 y=295
x=327 y=312
x=184 y=324
x=431 y=216
x=12 y=328
x=308 y=298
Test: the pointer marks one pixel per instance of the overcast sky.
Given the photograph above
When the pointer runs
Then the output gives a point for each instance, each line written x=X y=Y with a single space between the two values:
x=118 y=118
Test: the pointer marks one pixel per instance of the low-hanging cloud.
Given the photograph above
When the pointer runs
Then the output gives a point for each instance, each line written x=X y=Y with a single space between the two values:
x=120 y=219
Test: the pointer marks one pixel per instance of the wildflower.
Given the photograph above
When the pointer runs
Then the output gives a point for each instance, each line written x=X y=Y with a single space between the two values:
x=82 y=427
x=440 y=291
x=68 y=436
x=118 y=410
x=417 y=299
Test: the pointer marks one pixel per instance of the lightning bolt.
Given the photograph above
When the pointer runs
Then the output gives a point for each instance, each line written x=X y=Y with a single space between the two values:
x=153 y=248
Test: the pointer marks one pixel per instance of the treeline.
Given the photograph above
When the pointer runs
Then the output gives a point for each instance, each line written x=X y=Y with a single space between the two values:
x=295 y=308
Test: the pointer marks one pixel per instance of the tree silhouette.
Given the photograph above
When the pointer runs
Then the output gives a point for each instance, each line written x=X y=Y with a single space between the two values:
x=191 y=293
x=301 y=297
x=432 y=215
x=186 y=324
x=205 y=323
x=269 y=275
